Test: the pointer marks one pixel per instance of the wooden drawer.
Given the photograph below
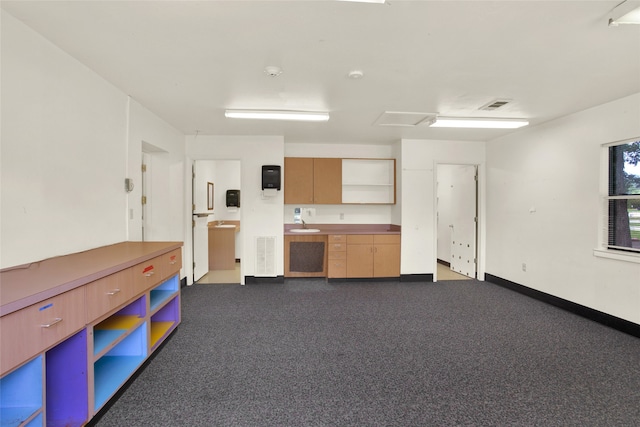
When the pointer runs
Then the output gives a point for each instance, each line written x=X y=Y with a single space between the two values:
x=386 y=239
x=337 y=247
x=337 y=255
x=147 y=274
x=337 y=268
x=33 y=329
x=171 y=263
x=109 y=293
x=337 y=238
x=359 y=239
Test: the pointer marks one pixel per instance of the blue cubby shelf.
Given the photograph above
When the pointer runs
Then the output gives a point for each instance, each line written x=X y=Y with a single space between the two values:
x=110 y=330
x=164 y=321
x=37 y=421
x=163 y=292
x=116 y=366
x=21 y=394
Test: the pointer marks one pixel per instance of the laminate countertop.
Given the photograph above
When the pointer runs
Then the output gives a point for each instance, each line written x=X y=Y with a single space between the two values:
x=27 y=284
x=326 y=229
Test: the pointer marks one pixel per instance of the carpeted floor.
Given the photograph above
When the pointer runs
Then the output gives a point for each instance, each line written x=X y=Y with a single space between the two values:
x=310 y=353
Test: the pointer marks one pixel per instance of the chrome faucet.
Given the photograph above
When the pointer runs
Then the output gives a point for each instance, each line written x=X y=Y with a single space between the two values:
x=304 y=224
x=220 y=222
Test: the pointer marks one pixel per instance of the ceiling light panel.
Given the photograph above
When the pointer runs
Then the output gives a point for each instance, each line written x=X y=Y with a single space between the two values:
x=304 y=116
x=627 y=12
x=478 y=123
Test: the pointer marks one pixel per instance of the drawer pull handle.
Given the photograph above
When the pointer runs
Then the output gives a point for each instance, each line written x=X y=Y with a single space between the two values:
x=113 y=292
x=53 y=322
x=173 y=262
x=149 y=274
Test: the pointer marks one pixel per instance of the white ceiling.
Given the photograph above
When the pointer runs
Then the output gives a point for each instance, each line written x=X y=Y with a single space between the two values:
x=187 y=61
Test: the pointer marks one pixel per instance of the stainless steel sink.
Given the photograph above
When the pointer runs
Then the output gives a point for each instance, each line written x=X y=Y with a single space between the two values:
x=305 y=230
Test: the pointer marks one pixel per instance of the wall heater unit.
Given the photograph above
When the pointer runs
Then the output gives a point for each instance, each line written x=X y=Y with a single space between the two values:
x=265 y=256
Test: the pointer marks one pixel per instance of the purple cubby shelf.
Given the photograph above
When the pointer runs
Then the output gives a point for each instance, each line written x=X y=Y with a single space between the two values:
x=66 y=384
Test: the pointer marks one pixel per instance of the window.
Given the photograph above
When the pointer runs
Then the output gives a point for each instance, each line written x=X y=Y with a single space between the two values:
x=623 y=198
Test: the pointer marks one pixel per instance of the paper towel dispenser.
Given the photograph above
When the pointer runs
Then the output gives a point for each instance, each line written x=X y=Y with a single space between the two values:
x=271 y=177
x=233 y=198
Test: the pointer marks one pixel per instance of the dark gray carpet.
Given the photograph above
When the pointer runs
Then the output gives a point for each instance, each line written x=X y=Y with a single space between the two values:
x=309 y=353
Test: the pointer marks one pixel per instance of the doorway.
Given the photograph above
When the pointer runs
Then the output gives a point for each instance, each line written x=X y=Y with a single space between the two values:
x=216 y=226
x=457 y=221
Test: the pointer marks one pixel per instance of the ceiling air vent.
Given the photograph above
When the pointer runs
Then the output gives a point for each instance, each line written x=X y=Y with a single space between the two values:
x=495 y=104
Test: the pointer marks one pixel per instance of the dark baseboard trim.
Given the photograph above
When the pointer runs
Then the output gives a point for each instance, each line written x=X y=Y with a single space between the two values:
x=443 y=262
x=362 y=279
x=416 y=277
x=252 y=280
x=183 y=282
x=92 y=422
x=575 y=308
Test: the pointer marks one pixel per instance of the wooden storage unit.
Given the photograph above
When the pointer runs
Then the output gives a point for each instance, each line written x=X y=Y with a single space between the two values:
x=72 y=336
x=373 y=255
x=339 y=181
x=305 y=256
x=298 y=180
x=327 y=181
x=337 y=256
x=310 y=180
x=222 y=247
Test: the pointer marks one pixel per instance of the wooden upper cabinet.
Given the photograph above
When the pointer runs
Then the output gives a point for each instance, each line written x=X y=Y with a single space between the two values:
x=327 y=181
x=298 y=180
x=334 y=181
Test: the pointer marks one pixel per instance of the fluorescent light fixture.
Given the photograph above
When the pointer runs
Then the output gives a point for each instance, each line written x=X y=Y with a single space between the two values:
x=366 y=1
x=304 y=116
x=484 y=123
x=627 y=12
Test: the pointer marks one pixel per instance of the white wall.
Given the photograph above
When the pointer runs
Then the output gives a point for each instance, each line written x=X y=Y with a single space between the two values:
x=69 y=139
x=555 y=169
x=165 y=177
x=63 y=151
x=342 y=214
x=259 y=216
x=419 y=230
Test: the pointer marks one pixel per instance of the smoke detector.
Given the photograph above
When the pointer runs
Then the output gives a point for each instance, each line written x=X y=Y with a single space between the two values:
x=272 y=70
x=356 y=74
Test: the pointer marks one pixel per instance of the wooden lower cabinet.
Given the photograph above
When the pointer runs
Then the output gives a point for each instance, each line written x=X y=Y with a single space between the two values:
x=337 y=256
x=63 y=358
x=373 y=255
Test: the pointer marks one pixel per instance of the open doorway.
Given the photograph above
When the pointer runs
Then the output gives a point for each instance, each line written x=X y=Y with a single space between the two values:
x=216 y=222
x=457 y=221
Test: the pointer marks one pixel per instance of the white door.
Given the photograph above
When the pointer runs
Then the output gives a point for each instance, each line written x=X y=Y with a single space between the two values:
x=200 y=247
x=464 y=220
x=146 y=190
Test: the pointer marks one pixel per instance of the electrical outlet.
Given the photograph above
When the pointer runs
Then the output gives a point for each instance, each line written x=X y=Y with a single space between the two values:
x=524 y=267
x=341 y=215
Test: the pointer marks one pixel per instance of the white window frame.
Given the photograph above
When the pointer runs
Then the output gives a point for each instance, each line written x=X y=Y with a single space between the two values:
x=604 y=250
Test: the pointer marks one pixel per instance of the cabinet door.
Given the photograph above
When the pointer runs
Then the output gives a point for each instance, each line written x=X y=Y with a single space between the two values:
x=327 y=181
x=360 y=260
x=298 y=180
x=386 y=260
